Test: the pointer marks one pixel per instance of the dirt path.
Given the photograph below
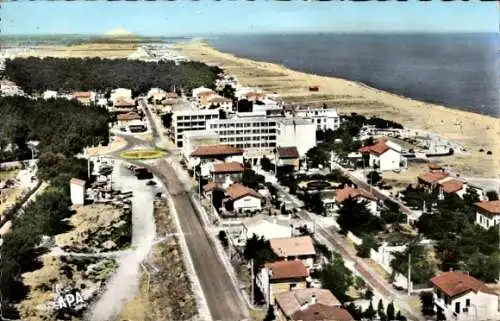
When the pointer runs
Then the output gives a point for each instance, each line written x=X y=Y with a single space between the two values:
x=124 y=285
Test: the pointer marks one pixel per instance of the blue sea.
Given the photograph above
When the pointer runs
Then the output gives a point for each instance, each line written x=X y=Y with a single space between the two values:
x=456 y=70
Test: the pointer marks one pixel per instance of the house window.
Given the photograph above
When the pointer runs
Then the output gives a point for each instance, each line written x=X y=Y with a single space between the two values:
x=467 y=303
x=457 y=307
x=293 y=286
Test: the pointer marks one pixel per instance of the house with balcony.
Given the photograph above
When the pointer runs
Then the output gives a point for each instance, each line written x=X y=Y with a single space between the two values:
x=488 y=214
x=384 y=155
x=323 y=118
x=281 y=277
x=295 y=248
x=287 y=303
x=462 y=297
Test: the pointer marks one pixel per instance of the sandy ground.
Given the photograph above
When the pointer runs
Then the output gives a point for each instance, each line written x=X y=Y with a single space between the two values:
x=117 y=144
x=103 y=50
x=474 y=131
x=124 y=285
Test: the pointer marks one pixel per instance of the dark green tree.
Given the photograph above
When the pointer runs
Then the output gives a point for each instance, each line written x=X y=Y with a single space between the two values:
x=337 y=278
x=492 y=195
x=370 y=312
x=427 y=300
x=369 y=242
x=373 y=177
x=266 y=164
x=400 y=317
x=317 y=156
x=381 y=311
x=270 y=316
x=354 y=216
x=259 y=250
x=391 y=312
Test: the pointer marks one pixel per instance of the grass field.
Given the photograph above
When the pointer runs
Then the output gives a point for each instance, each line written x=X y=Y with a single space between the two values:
x=143 y=154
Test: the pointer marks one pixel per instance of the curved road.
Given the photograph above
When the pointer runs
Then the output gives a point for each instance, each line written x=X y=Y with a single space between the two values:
x=223 y=297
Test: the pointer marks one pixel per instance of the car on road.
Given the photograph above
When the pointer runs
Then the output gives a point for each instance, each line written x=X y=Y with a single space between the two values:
x=151 y=183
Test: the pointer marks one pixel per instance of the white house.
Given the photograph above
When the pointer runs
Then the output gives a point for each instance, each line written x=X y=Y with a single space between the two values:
x=48 y=94
x=206 y=155
x=244 y=198
x=451 y=186
x=323 y=118
x=462 y=297
x=192 y=140
x=262 y=226
x=77 y=191
x=296 y=132
x=197 y=91
x=385 y=155
x=488 y=213
x=219 y=102
x=120 y=94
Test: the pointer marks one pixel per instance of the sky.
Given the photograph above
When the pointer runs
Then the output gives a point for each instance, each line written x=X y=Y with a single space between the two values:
x=207 y=17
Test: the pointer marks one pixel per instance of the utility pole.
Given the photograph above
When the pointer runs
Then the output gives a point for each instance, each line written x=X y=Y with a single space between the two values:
x=199 y=184
x=409 y=272
x=252 y=282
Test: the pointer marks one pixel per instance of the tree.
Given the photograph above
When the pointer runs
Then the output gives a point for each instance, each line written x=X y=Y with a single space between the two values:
x=422 y=270
x=244 y=106
x=317 y=157
x=370 y=312
x=354 y=311
x=400 y=317
x=391 y=312
x=471 y=196
x=492 y=195
x=316 y=204
x=440 y=315
x=373 y=177
x=228 y=92
x=223 y=238
x=270 y=316
x=427 y=300
x=251 y=179
x=266 y=164
x=392 y=217
x=381 y=311
x=337 y=278
x=166 y=120
x=259 y=250
x=222 y=114
x=354 y=216
x=369 y=242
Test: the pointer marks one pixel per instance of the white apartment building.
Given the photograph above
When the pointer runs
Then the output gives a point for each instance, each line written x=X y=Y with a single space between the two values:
x=324 y=118
x=256 y=135
x=189 y=120
x=298 y=132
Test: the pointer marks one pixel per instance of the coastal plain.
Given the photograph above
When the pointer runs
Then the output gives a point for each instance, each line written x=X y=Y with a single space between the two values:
x=473 y=131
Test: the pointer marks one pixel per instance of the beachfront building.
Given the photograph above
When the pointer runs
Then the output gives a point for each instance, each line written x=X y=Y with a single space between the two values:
x=281 y=277
x=194 y=139
x=462 y=297
x=188 y=120
x=298 y=132
x=385 y=155
x=323 y=118
x=488 y=214
x=256 y=135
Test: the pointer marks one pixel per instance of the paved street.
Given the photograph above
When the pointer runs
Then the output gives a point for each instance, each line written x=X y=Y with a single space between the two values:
x=224 y=300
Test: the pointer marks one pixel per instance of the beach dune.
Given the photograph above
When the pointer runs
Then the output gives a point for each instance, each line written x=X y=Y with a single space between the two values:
x=473 y=131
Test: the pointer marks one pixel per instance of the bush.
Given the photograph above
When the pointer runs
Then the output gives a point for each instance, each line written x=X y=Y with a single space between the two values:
x=223 y=238
x=369 y=242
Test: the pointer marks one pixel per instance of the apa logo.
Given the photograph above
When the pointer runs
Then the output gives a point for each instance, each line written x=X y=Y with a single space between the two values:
x=68 y=300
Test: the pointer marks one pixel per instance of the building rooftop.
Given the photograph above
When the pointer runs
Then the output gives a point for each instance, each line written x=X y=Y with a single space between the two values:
x=490 y=207
x=293 y=246
x=199 y=133
x=341 y=194
x=216 y=150
x=236 y=191
x=288 y=152
x=316 y=312
x=291 y=302
x=210 y=187
x=232 y=167
x=287 y=270
x=293 y=120
x=454 y=283
x=433 y=177
x=128 y=116
x=77 y=181
x=451 y=186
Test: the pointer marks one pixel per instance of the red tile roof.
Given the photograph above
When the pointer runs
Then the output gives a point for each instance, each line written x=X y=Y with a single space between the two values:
x=341 y=194
x=287 y=270
x=291 y=302
x=128 y=116
x=206 y=93
x=288 y=152
x=378 y=148
x=232 y=167
x=236 y=191
x=318 y=312
x=433 y=177
x=451 y=186
x=454 y=283
x=293 y=246
x=82 y=94
x=219 y=99
x=490 y=207
x=216 y=150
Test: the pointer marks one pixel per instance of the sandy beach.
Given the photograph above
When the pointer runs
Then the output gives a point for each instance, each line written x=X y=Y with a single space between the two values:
x=474 y=131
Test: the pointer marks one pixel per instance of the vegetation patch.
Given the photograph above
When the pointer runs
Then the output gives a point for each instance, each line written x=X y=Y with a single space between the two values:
x=143 y=154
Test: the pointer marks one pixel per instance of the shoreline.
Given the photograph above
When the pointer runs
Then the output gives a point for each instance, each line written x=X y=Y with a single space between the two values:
x=473 y=130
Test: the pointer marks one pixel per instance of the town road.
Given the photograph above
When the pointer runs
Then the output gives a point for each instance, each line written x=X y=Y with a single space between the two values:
x=223 y=298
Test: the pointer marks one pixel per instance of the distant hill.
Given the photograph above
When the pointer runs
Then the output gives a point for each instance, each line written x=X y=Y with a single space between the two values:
x=119 y=32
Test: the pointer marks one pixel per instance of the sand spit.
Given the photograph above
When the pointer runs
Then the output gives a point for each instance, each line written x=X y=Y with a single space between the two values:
x=472 y=130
